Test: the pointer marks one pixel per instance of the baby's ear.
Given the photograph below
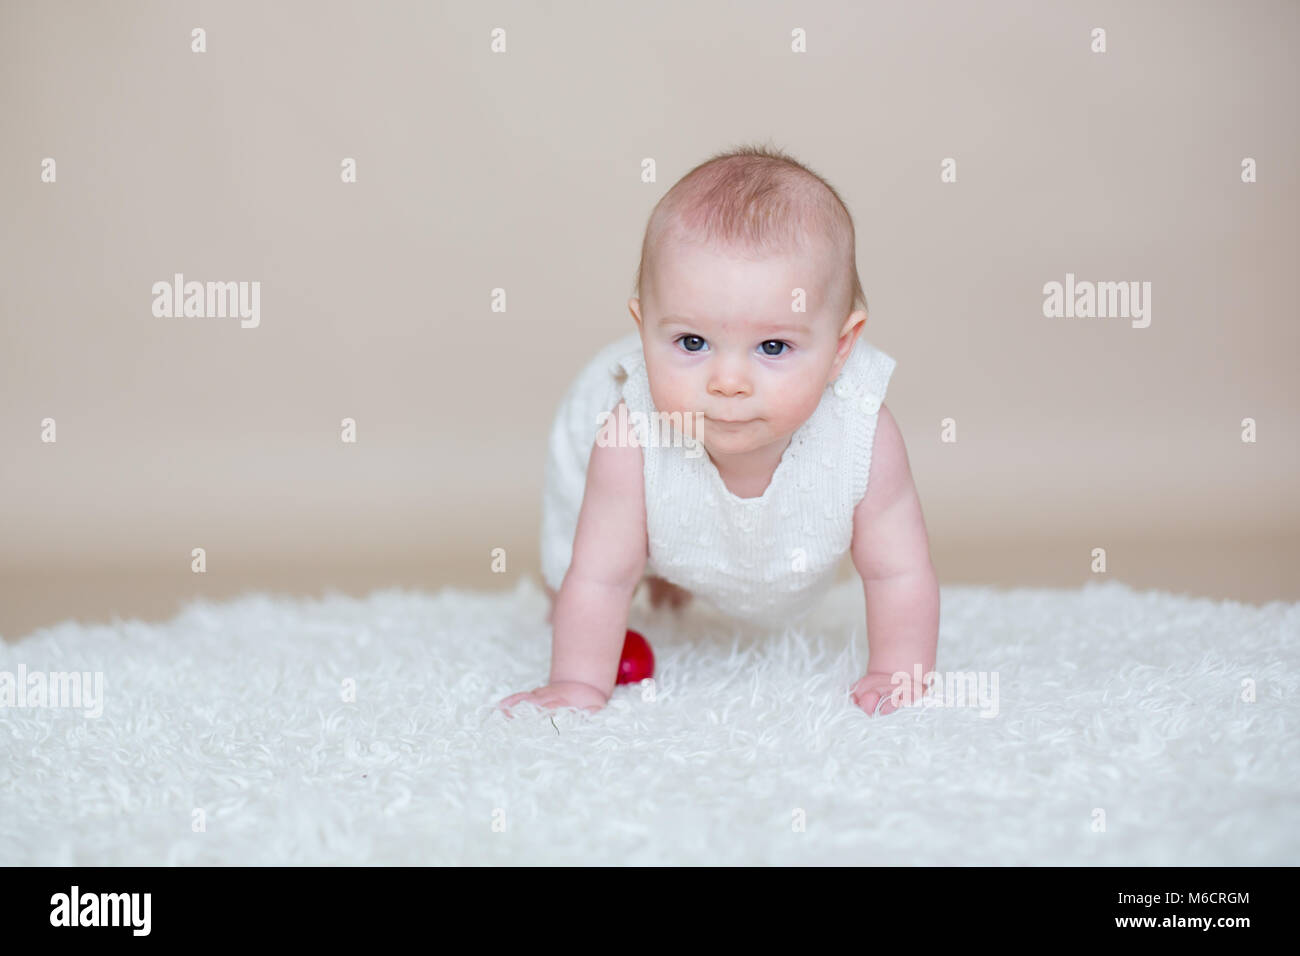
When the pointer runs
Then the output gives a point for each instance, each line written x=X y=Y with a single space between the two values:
x=852 y=329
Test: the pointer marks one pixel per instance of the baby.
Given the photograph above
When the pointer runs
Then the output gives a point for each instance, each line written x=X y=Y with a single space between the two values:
x=766 y=420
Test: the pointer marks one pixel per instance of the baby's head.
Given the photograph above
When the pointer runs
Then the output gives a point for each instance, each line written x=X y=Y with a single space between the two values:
x=747 y=299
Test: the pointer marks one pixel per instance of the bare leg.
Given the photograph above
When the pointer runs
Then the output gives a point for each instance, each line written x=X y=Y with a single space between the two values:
x=665 y=593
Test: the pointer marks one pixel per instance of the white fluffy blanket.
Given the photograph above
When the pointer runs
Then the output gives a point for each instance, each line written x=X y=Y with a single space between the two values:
x=1130 y=728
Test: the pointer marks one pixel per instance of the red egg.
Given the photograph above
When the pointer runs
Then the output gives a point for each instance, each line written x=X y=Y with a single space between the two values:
x=637 y=662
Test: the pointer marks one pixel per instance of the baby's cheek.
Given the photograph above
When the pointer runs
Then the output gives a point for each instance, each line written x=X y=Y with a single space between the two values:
x=798 y=407
x=671 y=395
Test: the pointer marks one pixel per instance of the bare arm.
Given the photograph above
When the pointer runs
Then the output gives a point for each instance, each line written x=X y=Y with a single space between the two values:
x=609 y=557
x=891 y=551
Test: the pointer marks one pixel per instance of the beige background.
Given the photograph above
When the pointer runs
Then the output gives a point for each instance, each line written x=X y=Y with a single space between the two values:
x=522 y=170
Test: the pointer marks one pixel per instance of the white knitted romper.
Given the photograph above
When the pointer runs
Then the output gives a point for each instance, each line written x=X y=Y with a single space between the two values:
x=755 y=559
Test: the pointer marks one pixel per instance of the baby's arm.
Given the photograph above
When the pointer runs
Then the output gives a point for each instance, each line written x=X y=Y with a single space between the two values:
x=891 y=551
x=609 y=557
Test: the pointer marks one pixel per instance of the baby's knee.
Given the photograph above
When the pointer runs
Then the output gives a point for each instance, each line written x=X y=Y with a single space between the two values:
x=665 y=593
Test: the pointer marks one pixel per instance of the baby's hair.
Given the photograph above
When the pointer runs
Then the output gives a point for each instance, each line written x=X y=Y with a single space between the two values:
x=758 y=200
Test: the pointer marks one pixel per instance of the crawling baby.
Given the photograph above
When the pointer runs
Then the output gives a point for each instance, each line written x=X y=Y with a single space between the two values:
x=735 y=446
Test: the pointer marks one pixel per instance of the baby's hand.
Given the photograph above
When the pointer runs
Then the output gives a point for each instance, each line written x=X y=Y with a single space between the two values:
x=880 y=691
x=559 y=694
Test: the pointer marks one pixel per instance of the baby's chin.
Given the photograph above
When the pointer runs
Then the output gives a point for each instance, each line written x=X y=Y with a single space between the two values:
x=736 y=439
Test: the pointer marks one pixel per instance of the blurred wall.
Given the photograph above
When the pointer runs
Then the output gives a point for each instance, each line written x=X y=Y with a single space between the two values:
x=522 y=170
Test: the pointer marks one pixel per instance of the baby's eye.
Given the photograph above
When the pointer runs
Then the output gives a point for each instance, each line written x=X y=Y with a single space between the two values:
x=692 y=343
x=781 y=347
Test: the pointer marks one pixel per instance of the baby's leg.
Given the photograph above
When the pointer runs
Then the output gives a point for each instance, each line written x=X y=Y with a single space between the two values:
x=666 y=593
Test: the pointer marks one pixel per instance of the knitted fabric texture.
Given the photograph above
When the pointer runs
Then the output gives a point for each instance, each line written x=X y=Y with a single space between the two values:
x=755 y=559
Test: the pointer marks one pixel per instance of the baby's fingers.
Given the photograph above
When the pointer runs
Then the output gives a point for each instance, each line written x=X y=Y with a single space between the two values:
x=541 y=697
x=507 y=702
x=875 y=703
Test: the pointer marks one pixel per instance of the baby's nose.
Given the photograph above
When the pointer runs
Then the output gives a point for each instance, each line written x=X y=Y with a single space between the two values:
x=727 y=376
x=728 y=383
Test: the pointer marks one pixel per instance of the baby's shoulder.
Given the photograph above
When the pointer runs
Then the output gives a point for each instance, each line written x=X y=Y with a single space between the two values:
x=601 y=378
x=613 y=356
x=868 y=371
x=890 y=471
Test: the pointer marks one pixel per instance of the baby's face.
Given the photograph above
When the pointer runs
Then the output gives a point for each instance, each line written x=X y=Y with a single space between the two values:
x=721 y=338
